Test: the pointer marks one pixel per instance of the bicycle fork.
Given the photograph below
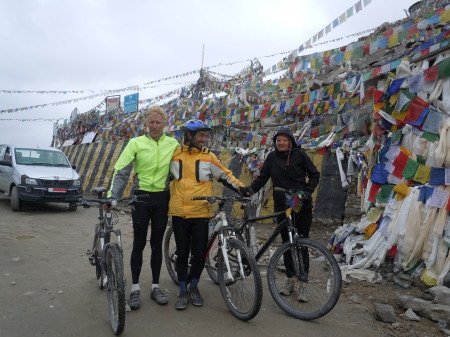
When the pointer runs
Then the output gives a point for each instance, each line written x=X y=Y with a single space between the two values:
x=223 y=247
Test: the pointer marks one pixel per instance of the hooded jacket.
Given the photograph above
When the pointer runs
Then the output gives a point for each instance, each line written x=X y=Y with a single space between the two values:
x=291 y=169
x=193 y=171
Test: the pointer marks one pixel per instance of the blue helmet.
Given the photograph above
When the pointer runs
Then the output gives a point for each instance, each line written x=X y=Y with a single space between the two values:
x=194 y=125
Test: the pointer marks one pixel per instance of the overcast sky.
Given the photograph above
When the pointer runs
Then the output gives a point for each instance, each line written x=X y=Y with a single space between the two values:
x=95 y=45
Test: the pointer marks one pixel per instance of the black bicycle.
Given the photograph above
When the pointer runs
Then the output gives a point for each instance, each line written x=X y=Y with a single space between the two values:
x=107 y=256
x=228 y=262
x=303 y=276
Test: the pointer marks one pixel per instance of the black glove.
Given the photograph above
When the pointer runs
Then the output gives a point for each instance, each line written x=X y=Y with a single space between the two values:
x=307 y=197
x=246 y=191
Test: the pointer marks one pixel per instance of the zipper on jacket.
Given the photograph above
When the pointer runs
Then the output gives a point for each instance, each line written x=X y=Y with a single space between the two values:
x=152 y=183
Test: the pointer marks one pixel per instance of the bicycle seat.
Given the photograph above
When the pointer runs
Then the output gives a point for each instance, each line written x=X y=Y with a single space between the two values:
x=99 y=189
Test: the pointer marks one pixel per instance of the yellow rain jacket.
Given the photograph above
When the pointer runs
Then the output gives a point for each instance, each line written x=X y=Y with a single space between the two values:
x=193 y=171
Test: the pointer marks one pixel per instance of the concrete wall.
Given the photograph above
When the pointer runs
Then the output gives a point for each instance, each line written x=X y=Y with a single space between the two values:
x=95 y=162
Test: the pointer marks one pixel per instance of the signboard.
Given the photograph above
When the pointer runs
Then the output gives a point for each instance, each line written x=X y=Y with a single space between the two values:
x=88 y=137
x=68 y=142
x=112 y=103
x=131 y=103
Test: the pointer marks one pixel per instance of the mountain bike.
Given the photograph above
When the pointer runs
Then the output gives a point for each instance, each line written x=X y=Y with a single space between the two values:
x=316 y=282
x=107 y=256
x=234 y=267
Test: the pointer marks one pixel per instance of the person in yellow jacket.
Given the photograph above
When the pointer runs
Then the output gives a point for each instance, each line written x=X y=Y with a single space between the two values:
x=149 y=155
x=193 y=168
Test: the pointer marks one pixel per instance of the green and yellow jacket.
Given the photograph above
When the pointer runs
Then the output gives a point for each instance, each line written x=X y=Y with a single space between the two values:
x=150 y=160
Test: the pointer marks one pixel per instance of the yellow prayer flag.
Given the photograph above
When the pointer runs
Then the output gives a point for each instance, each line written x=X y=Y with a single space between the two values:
x=348 y=55
x=330 y=90
x=400 y=115
x=355 y=101
x=393 y=99
x=405 y=150
x=402 y=190
x=370 y=229
x=393 y=40
x=285 y=84
x=377 y=107
x=445 y=16
x=423 y=174
x=374 y=214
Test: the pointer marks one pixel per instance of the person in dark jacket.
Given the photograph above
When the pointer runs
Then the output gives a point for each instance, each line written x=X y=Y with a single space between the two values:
x=290 y=168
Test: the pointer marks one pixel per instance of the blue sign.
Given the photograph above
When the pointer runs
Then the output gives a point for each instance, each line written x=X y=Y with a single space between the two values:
x=130 y=103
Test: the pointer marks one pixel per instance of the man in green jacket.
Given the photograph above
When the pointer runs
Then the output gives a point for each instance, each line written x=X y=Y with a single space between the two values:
x=149 y=156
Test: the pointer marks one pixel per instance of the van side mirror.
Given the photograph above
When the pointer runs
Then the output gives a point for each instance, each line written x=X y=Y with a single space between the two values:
x=74 y=166
x=6 y=163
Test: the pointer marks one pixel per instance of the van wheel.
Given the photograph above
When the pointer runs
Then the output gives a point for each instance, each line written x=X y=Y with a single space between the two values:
x=16 y=203
x=73 y=206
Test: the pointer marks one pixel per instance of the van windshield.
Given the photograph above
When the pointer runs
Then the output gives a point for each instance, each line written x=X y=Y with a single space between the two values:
x=40 y=157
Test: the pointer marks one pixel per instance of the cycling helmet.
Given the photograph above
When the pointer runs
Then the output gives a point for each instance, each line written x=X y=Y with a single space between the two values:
x=194 y=125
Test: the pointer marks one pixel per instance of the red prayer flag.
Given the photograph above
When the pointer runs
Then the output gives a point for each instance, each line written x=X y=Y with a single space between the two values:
x=322 y=151
x=431 y=73
x=388 y=33
x=376 y=71
x=366 y=48
x=264 y=113
x=413 y=29
x=377 y=94
x=373 y=191
x=398 y=172
x=416 y=108
x=400 y=161
x=315 y=132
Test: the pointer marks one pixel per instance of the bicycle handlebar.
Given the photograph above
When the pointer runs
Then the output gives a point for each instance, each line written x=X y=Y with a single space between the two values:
x=290 y=192
x=109 y=201
x=213 y=199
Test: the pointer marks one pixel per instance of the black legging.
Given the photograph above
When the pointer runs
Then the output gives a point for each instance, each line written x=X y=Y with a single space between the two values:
x=302 y=222
x=191 y=235
x=154 y=209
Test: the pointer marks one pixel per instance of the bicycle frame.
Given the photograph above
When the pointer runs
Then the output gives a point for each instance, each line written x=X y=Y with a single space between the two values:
x=221 y=225
x=286 y=222
x=106 y=228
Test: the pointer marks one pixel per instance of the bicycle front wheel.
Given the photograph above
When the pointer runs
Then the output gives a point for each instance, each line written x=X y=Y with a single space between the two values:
x=242 y=290
x=314 y=284
x=115 y=288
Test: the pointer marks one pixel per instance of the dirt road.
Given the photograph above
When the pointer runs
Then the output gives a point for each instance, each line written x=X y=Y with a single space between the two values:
x=48 y=288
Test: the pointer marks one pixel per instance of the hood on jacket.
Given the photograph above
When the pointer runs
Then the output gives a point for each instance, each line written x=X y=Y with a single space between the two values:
x=287 y=132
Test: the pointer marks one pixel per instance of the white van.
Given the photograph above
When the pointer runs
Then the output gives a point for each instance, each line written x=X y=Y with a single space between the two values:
x=38 y=174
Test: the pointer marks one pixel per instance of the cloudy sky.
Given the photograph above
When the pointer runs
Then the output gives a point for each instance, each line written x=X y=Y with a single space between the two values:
x=99 y=45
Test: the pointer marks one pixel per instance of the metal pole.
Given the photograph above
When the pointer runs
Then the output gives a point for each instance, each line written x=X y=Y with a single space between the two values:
x=203 y=55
